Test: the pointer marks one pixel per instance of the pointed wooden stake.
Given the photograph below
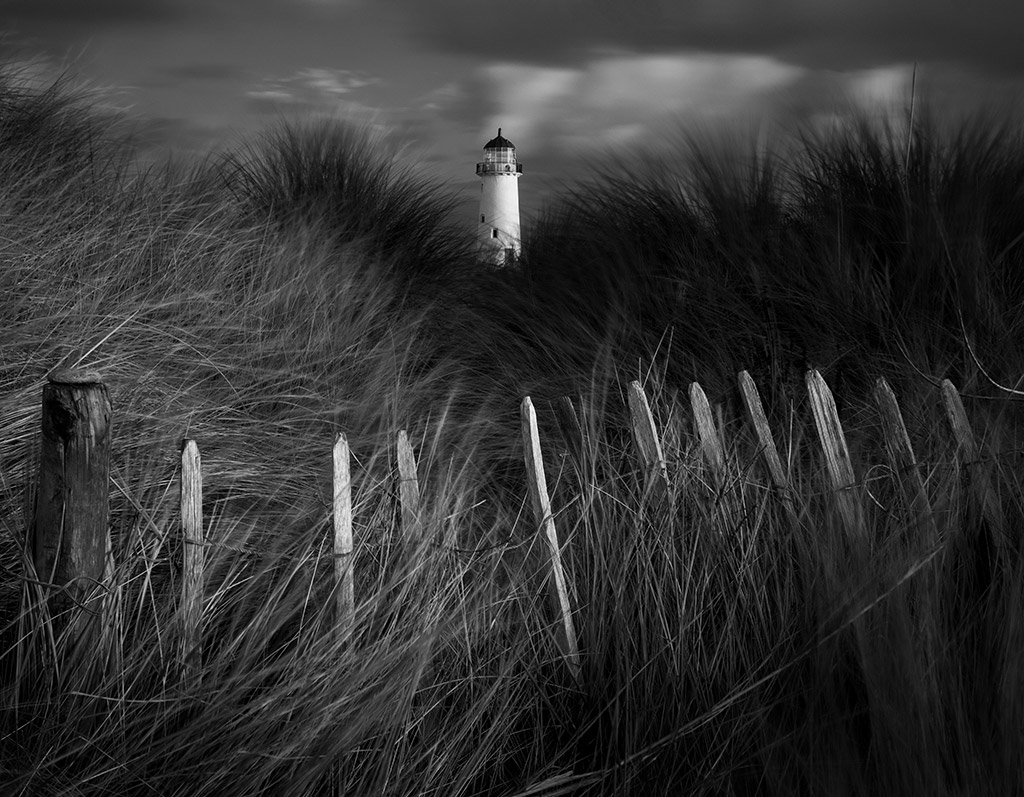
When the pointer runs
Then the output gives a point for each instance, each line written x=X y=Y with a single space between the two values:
x=408 y=488
x=769 y=452
x=704 y=421
x=194 y=560
x=571 y=431
x=648 y=446
x=558 y=592
x=981 y=485
x=344 y=578
x=837 y=456
x=903 y=461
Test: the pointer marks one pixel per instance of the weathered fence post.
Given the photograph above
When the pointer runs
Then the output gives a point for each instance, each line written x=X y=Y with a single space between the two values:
x=343 y=560
x=193 y=578
x=704 y=422
x=837 y=456
x=70 y=534
x=981 y=485
x=572 y=433
x=408 y=488
x=903 y=461
x=566 y=635
x=645 y=436
x=919 y=510
x=769 y=451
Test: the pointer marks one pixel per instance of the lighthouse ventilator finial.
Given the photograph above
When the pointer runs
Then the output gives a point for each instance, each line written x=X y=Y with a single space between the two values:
x=498 y=230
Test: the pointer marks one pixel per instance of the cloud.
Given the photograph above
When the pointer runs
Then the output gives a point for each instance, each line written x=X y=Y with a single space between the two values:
x=335 y=81
x=529 y=99
x=441 y=98
x=313 y=89
x=884 y=87
x=621 y=98
x=849 y=34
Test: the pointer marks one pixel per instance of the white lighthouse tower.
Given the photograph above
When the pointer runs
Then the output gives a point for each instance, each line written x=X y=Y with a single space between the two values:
x=499 y=201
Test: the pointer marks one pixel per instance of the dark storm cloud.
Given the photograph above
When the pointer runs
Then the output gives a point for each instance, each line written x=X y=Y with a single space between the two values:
x=841 y=33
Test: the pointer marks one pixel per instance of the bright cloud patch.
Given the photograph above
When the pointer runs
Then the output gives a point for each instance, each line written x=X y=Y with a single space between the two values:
x=884 y=87
x=616 y=99
x=622 y=99
x=313 y=89
x=530 y=98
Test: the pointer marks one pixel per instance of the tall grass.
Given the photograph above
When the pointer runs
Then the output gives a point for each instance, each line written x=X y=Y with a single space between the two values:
x=263 y=300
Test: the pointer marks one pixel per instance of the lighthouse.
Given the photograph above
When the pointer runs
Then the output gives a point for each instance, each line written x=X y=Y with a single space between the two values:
x=499 y=201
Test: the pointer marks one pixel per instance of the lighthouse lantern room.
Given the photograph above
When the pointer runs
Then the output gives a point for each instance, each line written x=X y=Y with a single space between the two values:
x=499 y=201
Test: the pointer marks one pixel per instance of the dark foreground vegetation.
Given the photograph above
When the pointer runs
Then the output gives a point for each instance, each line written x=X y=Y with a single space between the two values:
x=263 y=301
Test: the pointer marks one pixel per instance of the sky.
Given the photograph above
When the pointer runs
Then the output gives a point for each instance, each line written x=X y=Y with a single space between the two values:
x=568 y=81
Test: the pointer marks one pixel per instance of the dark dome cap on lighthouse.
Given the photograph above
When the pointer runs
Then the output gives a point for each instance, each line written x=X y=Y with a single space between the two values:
x=499 y=142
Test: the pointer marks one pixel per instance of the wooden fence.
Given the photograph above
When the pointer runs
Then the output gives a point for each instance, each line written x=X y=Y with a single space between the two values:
x=70 y=532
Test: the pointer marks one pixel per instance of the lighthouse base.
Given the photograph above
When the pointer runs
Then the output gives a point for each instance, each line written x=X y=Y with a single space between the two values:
x=499 y=256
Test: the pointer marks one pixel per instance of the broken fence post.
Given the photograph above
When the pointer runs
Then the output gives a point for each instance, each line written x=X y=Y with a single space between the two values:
x=70 y=532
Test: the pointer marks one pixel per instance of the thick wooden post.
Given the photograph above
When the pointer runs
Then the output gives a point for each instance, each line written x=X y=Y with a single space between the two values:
x=343 y=560
x=193 y=579
x=70 y=534
x=566 y=634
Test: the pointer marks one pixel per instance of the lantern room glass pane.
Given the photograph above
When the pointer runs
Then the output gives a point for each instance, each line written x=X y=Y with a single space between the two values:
x=500 y=155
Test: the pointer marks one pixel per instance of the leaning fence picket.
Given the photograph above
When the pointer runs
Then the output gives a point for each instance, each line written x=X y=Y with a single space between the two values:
x=919 y=511
x=837 y=455
x=710 y=443
x=648 y=445
x=902 y=459
x=558 y=592
x=344 y=578
x=981 y=486
x=193 y=560
x=766 y=442
x=572 y=433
